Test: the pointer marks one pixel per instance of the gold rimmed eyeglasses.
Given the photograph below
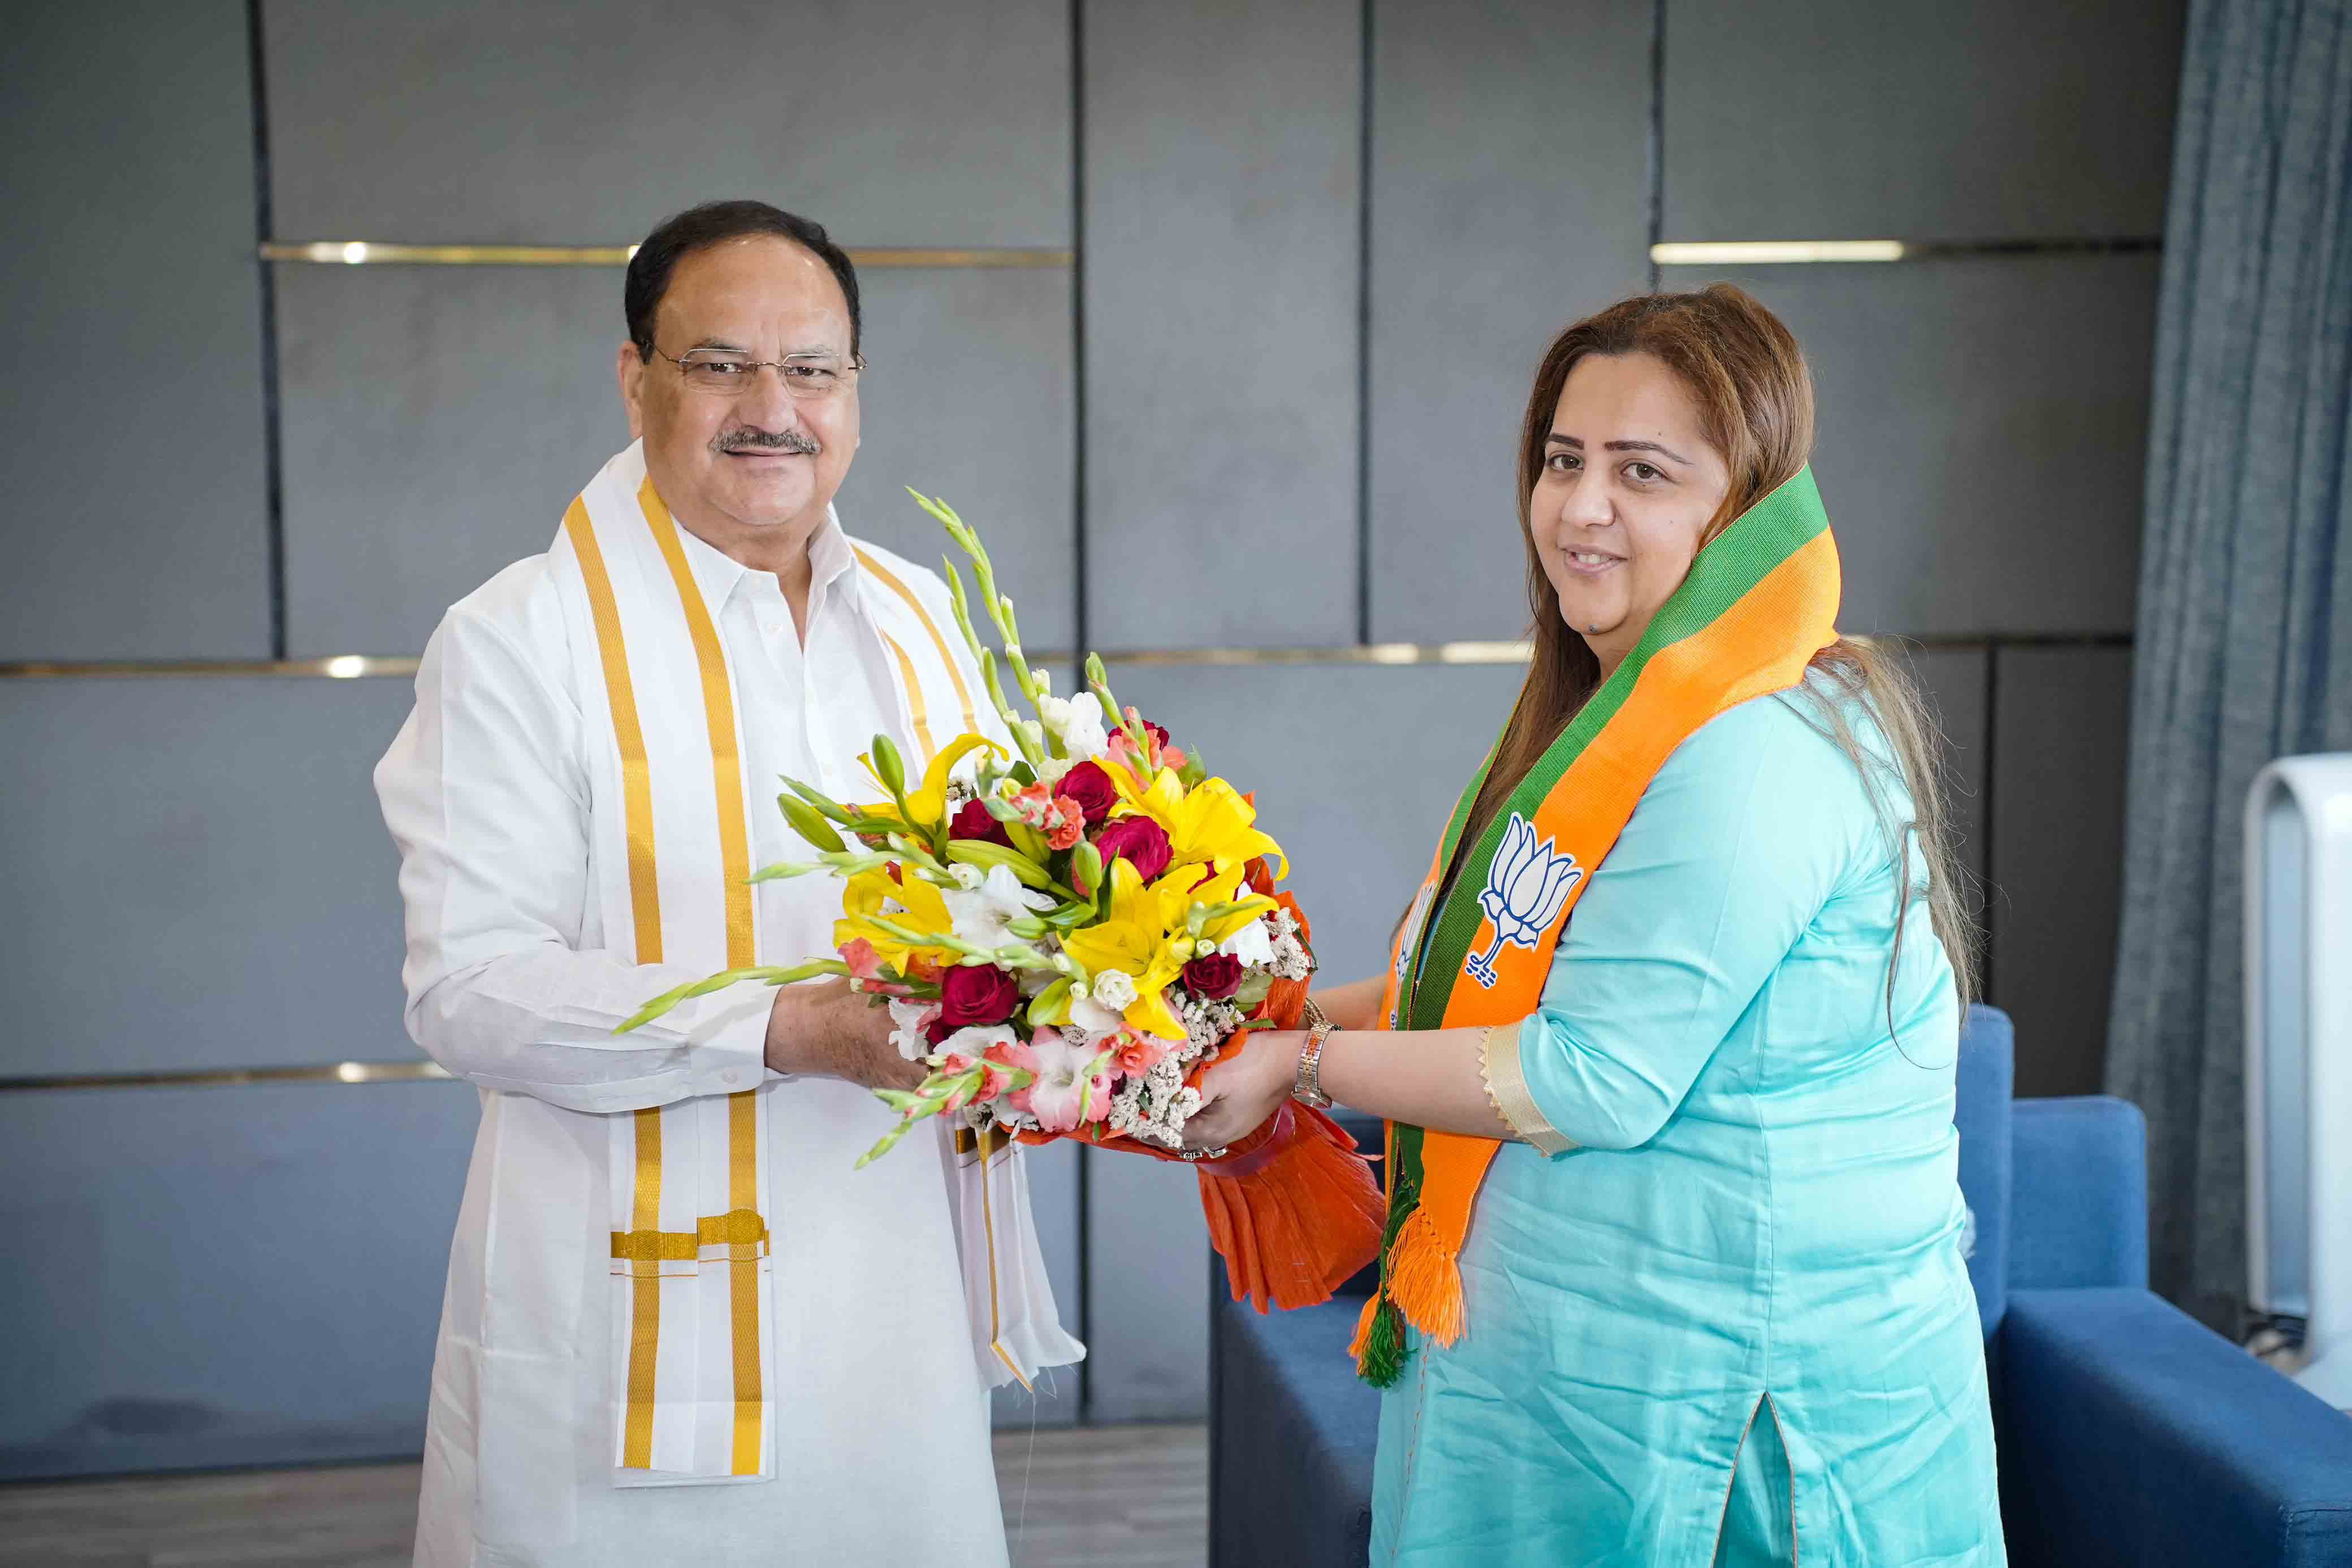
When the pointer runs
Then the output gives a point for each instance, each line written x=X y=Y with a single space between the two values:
x=807 y=376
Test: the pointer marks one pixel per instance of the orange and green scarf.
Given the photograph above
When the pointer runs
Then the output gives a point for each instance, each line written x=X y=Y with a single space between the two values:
x=1760 y=600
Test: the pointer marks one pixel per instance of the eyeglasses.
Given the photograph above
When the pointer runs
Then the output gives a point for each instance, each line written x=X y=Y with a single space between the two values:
x=805 y=376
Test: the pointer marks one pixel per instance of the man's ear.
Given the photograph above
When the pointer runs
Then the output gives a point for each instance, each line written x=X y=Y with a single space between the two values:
x=630 y=370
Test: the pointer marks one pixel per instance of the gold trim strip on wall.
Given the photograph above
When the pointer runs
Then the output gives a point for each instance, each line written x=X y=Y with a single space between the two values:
x=1772 y=252
x=1797 y=252
x=368 y=252
x=355 y=666
x=228 y=1077
x=1358 y=654
x=341 y=667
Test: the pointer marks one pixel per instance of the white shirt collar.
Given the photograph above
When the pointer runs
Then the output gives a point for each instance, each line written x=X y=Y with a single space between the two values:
x=719 y=575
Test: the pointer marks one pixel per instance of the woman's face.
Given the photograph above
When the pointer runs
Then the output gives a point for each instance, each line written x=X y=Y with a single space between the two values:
x=1628 y=487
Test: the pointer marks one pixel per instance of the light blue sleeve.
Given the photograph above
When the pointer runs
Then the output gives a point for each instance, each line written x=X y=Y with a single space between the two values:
x=1736 y=846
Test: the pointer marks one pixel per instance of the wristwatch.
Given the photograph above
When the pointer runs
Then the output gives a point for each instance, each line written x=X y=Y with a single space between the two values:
x=1308 y=1089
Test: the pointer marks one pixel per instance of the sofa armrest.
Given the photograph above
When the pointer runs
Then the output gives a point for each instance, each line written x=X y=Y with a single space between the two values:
x=2078 y=1208
x=2132 y=1434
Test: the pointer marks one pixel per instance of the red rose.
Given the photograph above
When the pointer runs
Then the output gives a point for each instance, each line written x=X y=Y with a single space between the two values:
x=1157 y=732
x=972 y=821
x=1141 y=841
x=1091 y=789
x=1216 y=976
x=975 y=995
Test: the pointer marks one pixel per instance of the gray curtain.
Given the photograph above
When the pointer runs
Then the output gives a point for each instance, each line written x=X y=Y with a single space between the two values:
x=2244 y=645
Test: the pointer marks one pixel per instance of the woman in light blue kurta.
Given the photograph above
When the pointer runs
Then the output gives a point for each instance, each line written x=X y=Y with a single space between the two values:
x=1761 y=1215
x=1715 y=1301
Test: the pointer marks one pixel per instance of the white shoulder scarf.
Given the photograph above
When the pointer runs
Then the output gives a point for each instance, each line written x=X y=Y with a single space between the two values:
x=693 y=1344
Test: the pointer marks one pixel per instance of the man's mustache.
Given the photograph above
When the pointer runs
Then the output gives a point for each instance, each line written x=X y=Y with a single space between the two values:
x=799 y=443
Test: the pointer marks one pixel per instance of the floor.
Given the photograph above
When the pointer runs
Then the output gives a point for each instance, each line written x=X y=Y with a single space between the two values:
x=1134 y=1496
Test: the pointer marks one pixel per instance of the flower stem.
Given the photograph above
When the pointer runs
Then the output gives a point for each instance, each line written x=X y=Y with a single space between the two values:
x=771 y=974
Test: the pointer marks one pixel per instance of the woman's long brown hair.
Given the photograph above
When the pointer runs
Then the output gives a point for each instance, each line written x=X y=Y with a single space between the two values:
x=1756 y=405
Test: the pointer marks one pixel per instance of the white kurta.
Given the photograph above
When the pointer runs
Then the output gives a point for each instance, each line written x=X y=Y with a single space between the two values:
x=882 y=1443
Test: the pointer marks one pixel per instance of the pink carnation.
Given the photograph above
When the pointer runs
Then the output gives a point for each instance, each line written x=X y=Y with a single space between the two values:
x=1139 y=1053
x=1071 y=826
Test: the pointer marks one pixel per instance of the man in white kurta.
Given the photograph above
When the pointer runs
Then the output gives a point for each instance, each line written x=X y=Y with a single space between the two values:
x=868 y=1422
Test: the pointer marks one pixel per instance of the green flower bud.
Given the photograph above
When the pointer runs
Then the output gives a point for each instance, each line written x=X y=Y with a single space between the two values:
x=888 y=767
x=1086 y=867
x=808 y=824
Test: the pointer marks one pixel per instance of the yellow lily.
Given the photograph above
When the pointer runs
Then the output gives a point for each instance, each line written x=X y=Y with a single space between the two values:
x=921 y=909
x=1222 y=888
x=927 y=803
x=1212 y=824
x=1134 y=939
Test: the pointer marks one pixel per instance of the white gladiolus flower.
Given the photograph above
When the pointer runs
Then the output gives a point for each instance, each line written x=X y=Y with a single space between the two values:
x=1115 y=989
x=1070 y=1086
x=979 y=912
x=1079 y=723
x=975 y=1041
x=909 y=1020
x=1252 y=945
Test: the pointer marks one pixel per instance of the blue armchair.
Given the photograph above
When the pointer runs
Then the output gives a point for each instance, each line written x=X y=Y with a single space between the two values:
x=2130 y=1435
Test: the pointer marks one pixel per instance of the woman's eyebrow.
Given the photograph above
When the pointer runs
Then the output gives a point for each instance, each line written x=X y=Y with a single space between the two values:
x=1577 y=442
x=1644 y=447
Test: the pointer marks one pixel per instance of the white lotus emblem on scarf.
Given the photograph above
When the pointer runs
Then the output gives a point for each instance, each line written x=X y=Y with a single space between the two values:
x=1527 y=887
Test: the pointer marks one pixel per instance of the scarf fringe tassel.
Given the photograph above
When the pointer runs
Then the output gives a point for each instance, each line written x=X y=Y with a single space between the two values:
x=1424 y=1281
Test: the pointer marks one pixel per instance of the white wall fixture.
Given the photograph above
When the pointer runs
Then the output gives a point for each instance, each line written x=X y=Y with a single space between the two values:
x=2299 y=1059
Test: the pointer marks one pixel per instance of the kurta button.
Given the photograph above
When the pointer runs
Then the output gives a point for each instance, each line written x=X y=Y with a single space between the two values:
x=731 y=1076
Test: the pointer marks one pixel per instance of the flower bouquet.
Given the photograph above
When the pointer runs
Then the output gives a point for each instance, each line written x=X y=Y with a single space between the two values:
x=1069 y=934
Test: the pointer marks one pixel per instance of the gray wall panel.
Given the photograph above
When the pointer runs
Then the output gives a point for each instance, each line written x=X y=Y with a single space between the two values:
x=438 y=420
x=227 y=1276
x=1918 y=119
x=1489 y=235
x=1054 y=1204
x=1983 y=429
x=1220 y=187
x=971 y=399
x=217 y=888
x=141 y=528
x=890 y=121
x=1148 y=1259
x=2061 y=723
x=1953 y=682
x=1355 y=768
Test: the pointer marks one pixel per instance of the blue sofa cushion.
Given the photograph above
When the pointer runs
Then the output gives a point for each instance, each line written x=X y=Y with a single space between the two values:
x=1292 y=1473
x=2133 y=1434
x=1981 y=1112
x=2080 y=1215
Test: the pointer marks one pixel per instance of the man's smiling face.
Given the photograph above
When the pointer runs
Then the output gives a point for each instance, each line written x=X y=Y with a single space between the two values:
x=748 y=461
